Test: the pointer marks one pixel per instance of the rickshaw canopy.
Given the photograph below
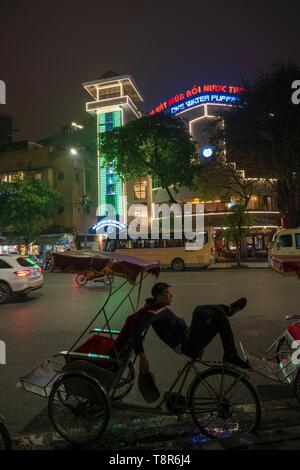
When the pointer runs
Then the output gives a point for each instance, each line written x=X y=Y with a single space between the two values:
x=121 y=265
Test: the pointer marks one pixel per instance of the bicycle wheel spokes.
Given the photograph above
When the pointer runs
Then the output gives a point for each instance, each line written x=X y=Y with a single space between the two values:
x=78 y=409
x=223 y=402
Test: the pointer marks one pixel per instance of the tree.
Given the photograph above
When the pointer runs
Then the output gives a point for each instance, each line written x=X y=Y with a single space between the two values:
x=25 y=205
x=239 y=226
x=263 y=134
x=222 y=179
x=158 y=145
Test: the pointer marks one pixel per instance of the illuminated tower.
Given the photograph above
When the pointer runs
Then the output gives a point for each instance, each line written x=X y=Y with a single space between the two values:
x=115 y=100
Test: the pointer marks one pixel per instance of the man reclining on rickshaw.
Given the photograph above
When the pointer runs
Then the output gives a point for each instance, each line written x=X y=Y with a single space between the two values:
x=207 y=322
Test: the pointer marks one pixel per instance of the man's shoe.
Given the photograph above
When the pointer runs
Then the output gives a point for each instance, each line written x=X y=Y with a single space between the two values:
x=236 y=306
x=237 y=361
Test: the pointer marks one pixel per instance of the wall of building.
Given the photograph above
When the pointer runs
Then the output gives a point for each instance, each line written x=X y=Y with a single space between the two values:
x=63 y=172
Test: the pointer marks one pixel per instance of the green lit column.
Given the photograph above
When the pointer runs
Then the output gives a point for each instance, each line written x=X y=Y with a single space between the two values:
x=110 y=184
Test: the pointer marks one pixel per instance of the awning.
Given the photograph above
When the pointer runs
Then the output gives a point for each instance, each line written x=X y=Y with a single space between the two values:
x=51 y=240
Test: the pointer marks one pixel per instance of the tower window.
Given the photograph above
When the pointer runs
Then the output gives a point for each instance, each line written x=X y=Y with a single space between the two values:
x=140 y=189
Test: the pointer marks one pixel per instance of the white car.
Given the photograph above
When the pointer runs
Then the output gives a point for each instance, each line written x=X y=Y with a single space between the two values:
x=19 y=275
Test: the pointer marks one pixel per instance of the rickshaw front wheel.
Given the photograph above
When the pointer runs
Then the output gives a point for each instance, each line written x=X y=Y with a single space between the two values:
x=79 y=408
x=223 y=402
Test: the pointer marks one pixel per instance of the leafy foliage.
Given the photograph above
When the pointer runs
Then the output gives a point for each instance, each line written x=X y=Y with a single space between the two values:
x=220 y=178
x=264 y=136
x=239 y=226
x=157 y=145
x=25 y=205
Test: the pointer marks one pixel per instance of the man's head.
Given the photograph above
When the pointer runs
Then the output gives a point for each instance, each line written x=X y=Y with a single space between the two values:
x=161 y=293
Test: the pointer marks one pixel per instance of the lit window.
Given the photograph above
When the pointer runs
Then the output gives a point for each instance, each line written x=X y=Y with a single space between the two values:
x=13 y=177
x=140 y=189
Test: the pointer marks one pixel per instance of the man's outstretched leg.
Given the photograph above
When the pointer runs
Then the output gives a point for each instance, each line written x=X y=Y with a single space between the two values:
x=207 y=322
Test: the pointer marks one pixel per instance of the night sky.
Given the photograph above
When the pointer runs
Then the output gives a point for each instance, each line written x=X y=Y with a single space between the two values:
x=48 y=48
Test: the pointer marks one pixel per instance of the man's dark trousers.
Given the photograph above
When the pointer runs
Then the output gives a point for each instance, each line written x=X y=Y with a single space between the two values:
x=207 y=322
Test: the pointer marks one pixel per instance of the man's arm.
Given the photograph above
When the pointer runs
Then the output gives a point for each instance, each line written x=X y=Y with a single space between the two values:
x=139 y=327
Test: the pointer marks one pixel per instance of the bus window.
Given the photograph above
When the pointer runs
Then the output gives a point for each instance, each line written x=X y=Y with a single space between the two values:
x=175 y=243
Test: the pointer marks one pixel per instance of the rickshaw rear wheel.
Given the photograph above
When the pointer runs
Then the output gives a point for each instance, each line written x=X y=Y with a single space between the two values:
x=222 y=402
x=296 y=386
x=81 y=279
x=79 y=408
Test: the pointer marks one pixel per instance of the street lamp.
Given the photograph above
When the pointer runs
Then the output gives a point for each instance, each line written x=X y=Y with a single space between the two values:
x=84 y=200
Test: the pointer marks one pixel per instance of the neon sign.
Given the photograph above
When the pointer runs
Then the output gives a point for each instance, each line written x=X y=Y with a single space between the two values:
x=108 y=226
x=2 y=92
x=199 y=94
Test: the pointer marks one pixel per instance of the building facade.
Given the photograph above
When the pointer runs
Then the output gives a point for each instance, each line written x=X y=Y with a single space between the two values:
x=116 y=100
x=68 y=175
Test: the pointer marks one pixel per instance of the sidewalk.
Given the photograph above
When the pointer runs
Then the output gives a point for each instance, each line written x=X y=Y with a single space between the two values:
x=244 y=265
x=280 y=429
x=277 y=439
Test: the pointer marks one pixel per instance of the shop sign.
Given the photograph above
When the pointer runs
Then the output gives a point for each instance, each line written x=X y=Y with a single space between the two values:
x=199 y=94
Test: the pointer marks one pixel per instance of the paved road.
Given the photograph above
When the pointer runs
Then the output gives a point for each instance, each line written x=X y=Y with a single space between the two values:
x=52 y=318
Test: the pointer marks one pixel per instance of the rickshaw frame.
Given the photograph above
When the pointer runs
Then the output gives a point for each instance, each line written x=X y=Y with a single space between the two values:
x=46 y=379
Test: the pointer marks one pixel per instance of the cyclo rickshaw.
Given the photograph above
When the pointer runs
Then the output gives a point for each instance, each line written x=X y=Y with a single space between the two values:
x=86 y=382
x=87 y=264
x=281 y=361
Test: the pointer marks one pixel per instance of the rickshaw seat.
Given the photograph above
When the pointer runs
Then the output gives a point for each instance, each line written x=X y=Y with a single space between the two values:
x=107 y=345
x=294 y=331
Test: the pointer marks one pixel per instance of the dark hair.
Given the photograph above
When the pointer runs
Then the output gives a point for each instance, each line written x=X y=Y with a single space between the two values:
x=158 y=289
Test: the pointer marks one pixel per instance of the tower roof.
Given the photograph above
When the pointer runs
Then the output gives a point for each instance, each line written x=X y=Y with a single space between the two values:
x=110 y=79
